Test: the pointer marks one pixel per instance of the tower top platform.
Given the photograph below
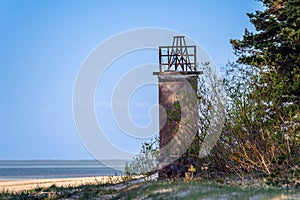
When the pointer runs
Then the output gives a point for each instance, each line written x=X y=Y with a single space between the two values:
x=176 y=74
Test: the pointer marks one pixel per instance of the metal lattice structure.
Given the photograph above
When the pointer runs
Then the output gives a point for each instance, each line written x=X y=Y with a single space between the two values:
x=178 y=57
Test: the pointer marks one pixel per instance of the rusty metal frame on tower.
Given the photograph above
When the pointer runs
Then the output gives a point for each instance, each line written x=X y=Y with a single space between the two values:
x=178 y=57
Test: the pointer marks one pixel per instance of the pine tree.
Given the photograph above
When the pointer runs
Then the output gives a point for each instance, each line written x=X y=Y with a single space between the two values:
x=262 y=130
x=275 y=44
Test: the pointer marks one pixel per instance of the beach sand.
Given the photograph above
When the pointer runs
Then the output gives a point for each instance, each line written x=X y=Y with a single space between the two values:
x=22 y=185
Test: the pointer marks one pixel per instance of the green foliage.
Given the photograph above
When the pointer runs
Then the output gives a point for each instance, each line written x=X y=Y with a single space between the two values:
x=174 y=113
x=262 y=131
x=146 y=162
x=276 y=43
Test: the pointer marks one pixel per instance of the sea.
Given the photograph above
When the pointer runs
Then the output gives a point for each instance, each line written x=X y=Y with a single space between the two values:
x=41 y=169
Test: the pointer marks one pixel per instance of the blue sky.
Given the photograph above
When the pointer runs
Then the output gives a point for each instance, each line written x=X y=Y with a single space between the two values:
x=44 y=43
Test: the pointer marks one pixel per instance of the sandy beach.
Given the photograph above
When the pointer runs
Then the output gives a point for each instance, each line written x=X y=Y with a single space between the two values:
x=22 y=185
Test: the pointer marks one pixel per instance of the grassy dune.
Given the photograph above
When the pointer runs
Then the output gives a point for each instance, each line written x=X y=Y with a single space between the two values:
x=155 y=190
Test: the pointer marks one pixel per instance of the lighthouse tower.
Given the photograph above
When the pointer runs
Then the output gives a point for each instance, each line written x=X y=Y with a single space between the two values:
x=178 y=117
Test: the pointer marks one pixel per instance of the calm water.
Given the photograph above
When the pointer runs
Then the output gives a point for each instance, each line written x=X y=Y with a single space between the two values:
x=37 y=169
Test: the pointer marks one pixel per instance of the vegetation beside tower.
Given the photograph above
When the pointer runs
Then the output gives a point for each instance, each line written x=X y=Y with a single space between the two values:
x=262 y=131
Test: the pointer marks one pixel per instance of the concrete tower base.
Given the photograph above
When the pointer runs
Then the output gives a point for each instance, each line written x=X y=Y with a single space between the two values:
x=179 y=139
